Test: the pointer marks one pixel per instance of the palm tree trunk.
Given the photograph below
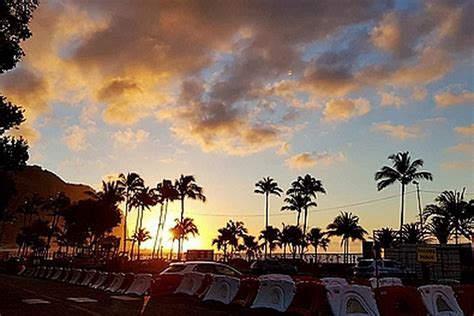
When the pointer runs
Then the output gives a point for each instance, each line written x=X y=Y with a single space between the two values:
x=125 y=224
x=136 y=230
x=284 y=251
x=179 y=249
x=182 y=208
x=163 y=225
x=402 y=208
x=155 y=243
x=298 y=219
x=171 y=250
x=266 y=210
x=305 y=220
x=315 y=253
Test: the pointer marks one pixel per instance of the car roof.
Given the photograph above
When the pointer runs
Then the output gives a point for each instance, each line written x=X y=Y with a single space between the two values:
x=199 y=262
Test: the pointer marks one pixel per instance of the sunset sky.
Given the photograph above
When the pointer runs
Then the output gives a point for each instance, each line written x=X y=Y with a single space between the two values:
x=231 y=91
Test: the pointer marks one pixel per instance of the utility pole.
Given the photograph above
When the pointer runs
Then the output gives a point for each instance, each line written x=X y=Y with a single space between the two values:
x=417 y=184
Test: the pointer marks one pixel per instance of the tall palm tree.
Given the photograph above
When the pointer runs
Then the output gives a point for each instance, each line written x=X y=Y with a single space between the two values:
x=56 y=205
x=267 y=186
x=175 y=235
x=222 y=241
x=307 y=186
x=185 y=228
x=271 y=237
x=346 y=226
x=452 y=207
x=143 y=199
x=168 y=193
x=30 y=207
x=130 y=183
x=317 y=238
x=140 y=236
x=297 y=202
x=404 y=171
x=412 y=234
x=188 y=188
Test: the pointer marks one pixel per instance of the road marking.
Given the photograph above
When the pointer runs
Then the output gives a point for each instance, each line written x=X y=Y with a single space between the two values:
x=125 y=298
x=34 y=301
x=82 y=299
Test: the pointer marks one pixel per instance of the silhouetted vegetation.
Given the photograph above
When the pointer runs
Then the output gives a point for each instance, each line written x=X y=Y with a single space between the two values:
x=404 y=171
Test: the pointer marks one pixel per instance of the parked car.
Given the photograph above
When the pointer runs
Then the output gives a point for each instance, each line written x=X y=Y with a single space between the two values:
x=272 y=266
x=201 y=266
x=386 y=268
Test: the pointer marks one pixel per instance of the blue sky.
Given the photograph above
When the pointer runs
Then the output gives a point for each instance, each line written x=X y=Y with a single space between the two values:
x=231 y=92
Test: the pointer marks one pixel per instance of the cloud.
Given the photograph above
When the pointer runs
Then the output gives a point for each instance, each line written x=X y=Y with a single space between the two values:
x=75 y=138
x=345 y=109
x=307 y=160
x=458 y=165
x=284 y=149
x=129 y=64
x=419 y=94
x=129 y=138
x=465 y=148
x=400 y=132
x=465 y=130
x=447 y=99
x=390 y=99
x=27 y=132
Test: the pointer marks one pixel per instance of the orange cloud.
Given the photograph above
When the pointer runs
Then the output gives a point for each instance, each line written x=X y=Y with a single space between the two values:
x=447 y=99
x=129 y=138
x=390 y=99
x=465 y=130
x=400 y=132
x=307 y=160
x=345 y=109
x=75 y=138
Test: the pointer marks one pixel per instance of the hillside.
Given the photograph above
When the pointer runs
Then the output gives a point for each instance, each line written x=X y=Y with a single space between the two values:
x=34 y=179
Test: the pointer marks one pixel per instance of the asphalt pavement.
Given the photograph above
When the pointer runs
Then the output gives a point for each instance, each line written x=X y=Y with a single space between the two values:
x=28 y=296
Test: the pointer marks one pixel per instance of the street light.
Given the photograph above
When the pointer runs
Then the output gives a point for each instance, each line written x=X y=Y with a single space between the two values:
x=417 y=184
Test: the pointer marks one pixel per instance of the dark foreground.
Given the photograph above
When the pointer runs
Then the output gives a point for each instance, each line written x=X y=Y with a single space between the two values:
x=15 y=289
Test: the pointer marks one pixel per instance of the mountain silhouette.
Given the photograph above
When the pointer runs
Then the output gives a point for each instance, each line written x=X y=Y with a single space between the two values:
x=34 y=179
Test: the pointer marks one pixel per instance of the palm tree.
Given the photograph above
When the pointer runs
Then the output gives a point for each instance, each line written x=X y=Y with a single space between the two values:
x=285 y=238
x=440 y=228
x=168 y=194
x=316 y=237
x=251 y=246
x=346 y=226
x=143 y=199
x=267 y=186
x=175 y=235
x=385 y=237
x=185 y=227
x=271 y=237
x=294 y=236
x=30 y=207
x=297 y=202
x=453 y=208
x=308 y=187
x=236 y=230
x=6 y=217
x=140 y=236
x=412 y=234
x=56 y=205
x=130 y=183
x=222 y=241
x=187 y=188
x=404 y=171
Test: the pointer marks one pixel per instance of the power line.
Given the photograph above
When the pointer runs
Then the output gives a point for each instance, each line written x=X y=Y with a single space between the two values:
x=312 y=211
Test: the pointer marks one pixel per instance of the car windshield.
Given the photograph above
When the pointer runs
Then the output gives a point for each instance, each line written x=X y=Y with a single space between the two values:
x=175 y=268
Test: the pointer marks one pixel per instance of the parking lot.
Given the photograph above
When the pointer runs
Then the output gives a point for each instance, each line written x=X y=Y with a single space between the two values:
x=29 y=296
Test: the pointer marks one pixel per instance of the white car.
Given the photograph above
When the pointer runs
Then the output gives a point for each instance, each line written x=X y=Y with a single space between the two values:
x=202 y=267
